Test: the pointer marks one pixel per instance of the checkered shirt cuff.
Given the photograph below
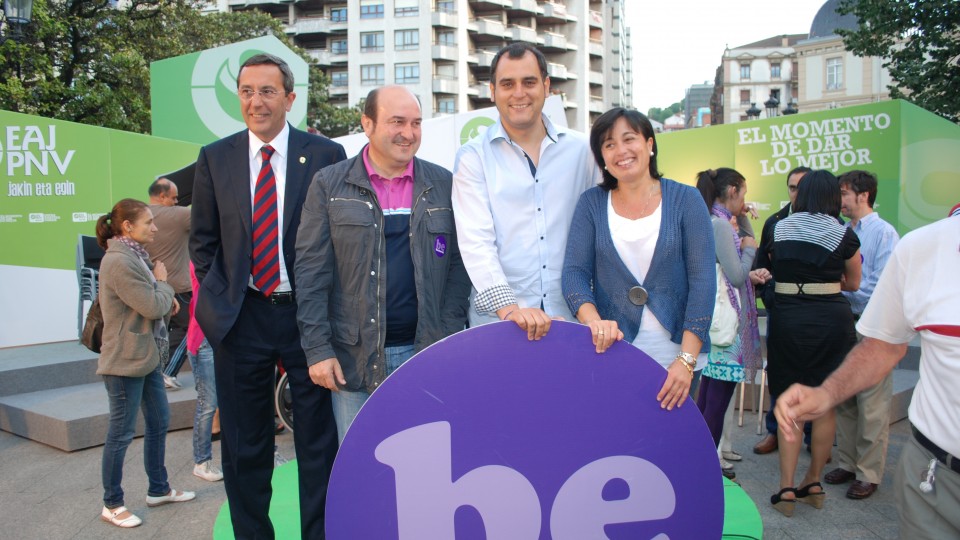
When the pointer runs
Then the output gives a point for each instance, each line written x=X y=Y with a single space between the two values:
x=496 y=297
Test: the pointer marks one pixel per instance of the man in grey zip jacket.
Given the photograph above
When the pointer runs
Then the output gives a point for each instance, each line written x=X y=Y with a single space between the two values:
x=378 y=269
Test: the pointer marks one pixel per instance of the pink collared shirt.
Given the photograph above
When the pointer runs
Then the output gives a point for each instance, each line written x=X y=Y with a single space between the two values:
x=394 y=194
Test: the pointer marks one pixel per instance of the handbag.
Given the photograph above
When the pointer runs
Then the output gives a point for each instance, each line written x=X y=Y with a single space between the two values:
x=92 y=336
x=723 y=328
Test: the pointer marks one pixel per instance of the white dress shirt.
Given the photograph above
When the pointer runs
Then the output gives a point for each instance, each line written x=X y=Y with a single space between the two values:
x=511 y=224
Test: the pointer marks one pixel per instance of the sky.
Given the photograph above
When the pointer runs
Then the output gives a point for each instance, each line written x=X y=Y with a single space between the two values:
x=679 y=43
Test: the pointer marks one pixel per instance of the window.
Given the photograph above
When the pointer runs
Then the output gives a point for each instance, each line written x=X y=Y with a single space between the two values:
x=338 y=46
x=446 y=106
x=406 y=40
x=371 y=74
x=371 y=41
x=407 y=73
x=446 y=38
x=775 y=94
x=775 y=70
x=339 y=78
x=745 y=72
x=744 y=97
x=338 y=14
x=371 y=9
x=446 y=6
x=406 y=8
x=834 y=74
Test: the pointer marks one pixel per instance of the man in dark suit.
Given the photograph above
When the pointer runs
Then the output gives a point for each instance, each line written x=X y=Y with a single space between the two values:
x=248 y=193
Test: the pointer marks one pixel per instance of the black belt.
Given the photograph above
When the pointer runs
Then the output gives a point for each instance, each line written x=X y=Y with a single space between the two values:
x=942 y=456
x=277 y=298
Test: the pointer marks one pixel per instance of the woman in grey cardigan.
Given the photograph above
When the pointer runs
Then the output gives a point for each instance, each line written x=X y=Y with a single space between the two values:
x=639 y=260
x=135 y=299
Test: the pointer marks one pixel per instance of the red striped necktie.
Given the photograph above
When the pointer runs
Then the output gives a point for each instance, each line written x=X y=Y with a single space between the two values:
x=266 y=262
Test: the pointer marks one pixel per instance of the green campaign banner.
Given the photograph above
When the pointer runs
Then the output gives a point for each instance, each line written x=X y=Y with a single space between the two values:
x=914 y=153
x=194 y=97
x=60 y=177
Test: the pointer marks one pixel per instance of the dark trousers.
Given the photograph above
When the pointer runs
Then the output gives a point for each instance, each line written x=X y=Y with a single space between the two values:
x=712 y=400
x=244 y=365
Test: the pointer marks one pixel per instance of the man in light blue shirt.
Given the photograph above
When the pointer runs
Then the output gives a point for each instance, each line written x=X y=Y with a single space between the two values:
x=863 y=421
x=514 y=191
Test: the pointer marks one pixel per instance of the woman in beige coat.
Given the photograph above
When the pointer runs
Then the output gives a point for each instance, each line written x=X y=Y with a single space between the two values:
x=136 y=301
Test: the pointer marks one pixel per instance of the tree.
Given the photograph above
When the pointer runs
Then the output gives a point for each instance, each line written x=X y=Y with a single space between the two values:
x=88 y=62
x=919 y=41
x=661 y=115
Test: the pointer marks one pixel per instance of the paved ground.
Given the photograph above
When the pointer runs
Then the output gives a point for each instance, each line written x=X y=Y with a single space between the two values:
x=52 y=495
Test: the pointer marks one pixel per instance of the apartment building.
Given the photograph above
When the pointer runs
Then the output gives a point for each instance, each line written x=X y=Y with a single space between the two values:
x=442 y=49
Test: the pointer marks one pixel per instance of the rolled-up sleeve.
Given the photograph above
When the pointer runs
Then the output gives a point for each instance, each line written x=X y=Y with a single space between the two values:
x=476 y=233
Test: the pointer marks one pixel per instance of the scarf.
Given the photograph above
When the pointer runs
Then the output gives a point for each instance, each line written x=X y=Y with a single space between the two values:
x=160 y=334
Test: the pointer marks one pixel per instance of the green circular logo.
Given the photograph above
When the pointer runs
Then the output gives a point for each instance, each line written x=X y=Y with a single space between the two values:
x=475 y=127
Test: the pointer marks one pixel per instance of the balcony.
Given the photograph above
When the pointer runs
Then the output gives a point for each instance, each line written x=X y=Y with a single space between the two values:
x=554 y=42
x=442 y=85
x=522 y=33
x=489 y=27
x=595 y=105
x=338 y=91
x=557 y=71
x=480 y=90
x=484 y=58
x=596 y=48
x=445 y=52
x=526 y=7
x=445 y=19
x=596 y=78
x=596 y=19
x=554 y=13
x=317 y=25
x=326 y=57
x=486 y=5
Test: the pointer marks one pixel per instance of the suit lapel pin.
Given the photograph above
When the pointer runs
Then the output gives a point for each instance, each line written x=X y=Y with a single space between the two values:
x=303 y=159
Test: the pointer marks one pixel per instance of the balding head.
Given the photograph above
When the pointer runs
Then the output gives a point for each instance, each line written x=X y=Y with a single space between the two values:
x=163 y=192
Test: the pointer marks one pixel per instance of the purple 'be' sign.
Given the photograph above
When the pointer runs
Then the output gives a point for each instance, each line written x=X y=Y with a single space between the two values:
x=486 y=435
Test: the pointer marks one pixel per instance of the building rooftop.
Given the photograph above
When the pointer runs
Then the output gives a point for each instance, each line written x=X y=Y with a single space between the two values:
x=827 y=20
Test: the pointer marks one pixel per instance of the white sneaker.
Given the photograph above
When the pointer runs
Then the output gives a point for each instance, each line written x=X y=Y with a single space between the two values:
x=726 y=465
x=172 y=497
x=112 y=516
x=171 y=383
x=207 y=471
x=730 y=455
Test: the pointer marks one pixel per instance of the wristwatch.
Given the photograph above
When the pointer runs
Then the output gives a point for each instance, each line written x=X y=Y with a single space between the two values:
x=688 y=360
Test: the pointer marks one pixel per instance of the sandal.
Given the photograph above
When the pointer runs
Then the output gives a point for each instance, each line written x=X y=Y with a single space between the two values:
x=784 y=506
x=113 y=516
x=814 y=499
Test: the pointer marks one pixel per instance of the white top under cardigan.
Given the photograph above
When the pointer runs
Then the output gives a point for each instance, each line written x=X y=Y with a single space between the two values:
x=636 y=240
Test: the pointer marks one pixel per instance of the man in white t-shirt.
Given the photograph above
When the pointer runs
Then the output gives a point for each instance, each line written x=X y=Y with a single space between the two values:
x=918 y=294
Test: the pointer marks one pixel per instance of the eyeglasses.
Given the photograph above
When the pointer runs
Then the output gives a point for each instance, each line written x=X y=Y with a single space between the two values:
x=268 y=94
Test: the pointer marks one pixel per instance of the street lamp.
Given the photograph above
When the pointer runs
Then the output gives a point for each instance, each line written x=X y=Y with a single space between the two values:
x=791 y=108
x=753 y=112
x=772 y=105
x=16 y=14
